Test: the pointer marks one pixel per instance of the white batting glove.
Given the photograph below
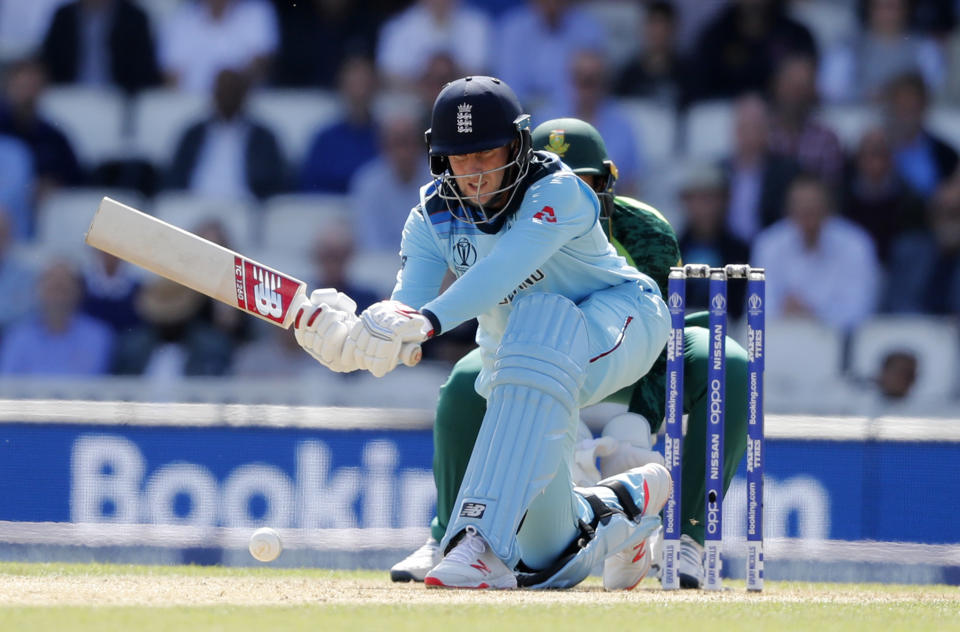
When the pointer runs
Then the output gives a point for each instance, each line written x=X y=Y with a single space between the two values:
x=583 y=469
x=634 y=445
x=376 y=340
x=322 y=326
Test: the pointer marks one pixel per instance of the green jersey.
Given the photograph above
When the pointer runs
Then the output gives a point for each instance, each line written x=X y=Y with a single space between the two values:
x=642 y=235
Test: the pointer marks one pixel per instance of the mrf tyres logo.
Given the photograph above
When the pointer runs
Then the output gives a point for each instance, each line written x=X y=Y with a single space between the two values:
x=263 y=292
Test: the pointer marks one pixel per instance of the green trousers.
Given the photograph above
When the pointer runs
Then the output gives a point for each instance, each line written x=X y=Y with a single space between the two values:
x=460 y=412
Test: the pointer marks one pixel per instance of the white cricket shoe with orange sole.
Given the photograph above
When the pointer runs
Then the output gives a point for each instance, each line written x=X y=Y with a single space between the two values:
x=471 y=564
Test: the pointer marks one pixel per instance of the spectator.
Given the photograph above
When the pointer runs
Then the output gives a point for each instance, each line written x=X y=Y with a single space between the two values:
x=592 y=103
x=818 y=266
x=54 y=162
x=758 y=178
x=317 y=37
x=16 y=186
x=100 y=43
x=441 y=69
x=739 y=49
x=228 y=155
x=876 y=197
x=891 y=390
x=882 y=50
x=706 y=238
x=17 y=282
x=922 y=159
x=58 y=340
x=794 y=133
x=408 y=39
x=172 y=341
x=382 y=190
x=544 y=34
x=924 y=271
x=110 y=286
x=204 y=37
x=332 y=255
x=656 y=71
x=352 y=139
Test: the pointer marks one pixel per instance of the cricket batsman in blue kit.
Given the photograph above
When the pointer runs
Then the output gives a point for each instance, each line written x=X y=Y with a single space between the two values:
x=564 y=322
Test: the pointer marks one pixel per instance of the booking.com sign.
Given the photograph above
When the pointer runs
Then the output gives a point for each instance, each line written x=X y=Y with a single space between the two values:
x=110 y=483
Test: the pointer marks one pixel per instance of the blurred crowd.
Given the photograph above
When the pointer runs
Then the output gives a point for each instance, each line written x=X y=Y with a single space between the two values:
x=847 y=224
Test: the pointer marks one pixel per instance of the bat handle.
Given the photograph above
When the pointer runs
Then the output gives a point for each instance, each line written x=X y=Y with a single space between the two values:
x=410 y=354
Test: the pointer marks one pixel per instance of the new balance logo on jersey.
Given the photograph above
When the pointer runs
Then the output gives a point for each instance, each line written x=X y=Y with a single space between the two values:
x=265 y=295
x=545 y=214
x=472 y=510
x=464 y=118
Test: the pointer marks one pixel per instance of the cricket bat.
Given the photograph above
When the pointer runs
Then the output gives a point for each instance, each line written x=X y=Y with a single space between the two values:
x=203 y=266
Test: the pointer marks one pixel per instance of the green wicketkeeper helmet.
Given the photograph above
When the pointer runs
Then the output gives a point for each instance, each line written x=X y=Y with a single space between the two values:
x=581 y=147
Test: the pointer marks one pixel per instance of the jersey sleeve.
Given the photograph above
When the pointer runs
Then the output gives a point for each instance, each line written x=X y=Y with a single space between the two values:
x=422 y=264
x=648 y=237
x=556 y=210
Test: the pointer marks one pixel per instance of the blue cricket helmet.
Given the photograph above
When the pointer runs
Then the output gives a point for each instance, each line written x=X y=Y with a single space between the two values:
x=474 y=114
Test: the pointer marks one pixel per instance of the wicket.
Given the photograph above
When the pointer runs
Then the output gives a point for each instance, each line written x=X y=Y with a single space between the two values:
x=673 y=446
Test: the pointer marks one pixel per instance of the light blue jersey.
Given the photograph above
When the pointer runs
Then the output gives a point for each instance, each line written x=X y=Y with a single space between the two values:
x=552 y=243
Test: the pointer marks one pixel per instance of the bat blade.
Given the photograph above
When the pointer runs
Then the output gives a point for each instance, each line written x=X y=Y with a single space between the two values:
x=203 y=266
x=197 y=263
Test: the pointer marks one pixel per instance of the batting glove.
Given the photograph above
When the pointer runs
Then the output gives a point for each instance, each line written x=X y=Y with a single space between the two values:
x=377 y=340
x=322 y=325
x=634 y=445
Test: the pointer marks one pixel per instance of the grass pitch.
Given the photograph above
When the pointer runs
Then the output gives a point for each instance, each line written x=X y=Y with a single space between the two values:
x=94 y=597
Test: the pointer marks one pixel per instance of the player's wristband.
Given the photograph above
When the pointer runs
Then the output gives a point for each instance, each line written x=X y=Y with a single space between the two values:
x=434 y=321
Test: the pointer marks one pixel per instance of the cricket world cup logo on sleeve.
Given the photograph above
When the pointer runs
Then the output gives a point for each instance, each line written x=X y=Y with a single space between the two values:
x=261 y=291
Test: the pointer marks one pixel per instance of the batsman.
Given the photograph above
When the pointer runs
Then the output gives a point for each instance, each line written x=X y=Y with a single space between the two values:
x=564 y=322
x=645 y=238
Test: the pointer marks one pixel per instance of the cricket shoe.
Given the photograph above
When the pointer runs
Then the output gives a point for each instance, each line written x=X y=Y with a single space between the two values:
x=415 y=566
x=690 y=567
x=624 y=570
x=471 y=564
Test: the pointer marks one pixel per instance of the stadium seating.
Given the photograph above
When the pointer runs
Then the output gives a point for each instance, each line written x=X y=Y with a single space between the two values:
x=158 y=118
x=849 y=122
x=803 y=366
x=63 y=217
x=294 y=116
x=240 y=220
x=654 y=127
x=944 y=121
x=92 y=119
x=708 y=130
x=291 y=222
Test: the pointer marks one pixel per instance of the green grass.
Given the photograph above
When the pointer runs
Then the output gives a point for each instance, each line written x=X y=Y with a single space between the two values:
x=381 y=605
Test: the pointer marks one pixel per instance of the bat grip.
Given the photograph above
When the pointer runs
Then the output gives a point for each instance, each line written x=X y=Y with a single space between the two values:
x=410 y=354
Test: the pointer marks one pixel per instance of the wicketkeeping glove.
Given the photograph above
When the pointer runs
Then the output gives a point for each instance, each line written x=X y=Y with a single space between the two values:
x=380 y=338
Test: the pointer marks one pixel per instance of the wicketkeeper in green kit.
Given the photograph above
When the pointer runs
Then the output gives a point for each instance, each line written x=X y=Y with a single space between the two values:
x=645 y=239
